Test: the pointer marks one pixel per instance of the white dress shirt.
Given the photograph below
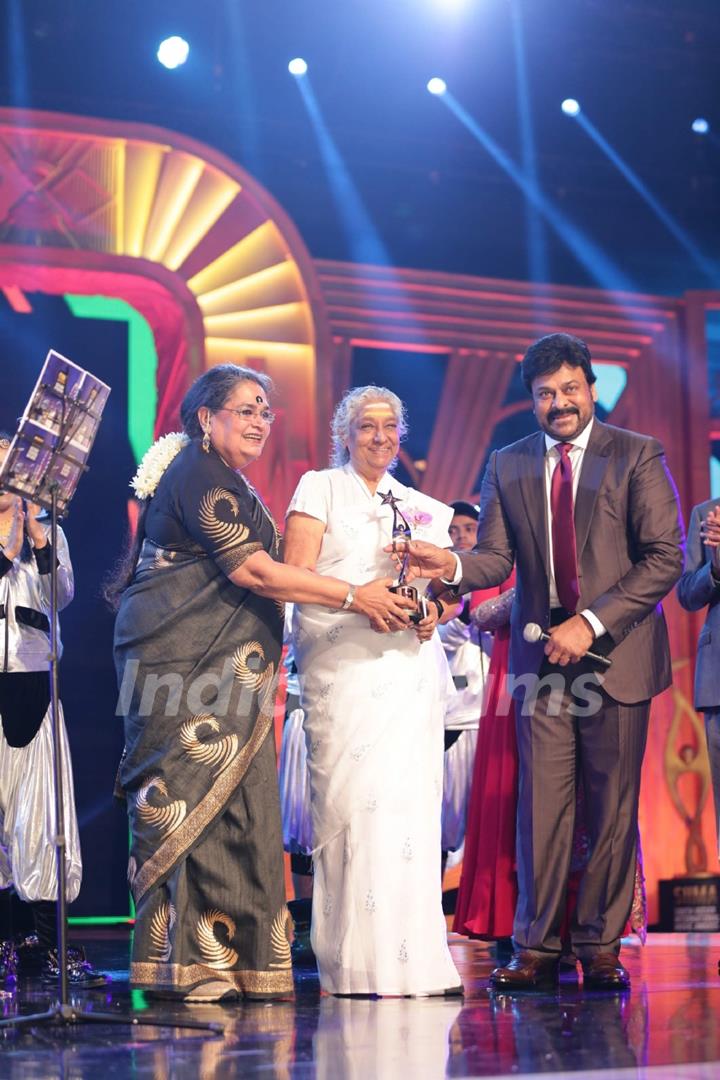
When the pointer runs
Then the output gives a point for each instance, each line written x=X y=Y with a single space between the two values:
x=552 y=456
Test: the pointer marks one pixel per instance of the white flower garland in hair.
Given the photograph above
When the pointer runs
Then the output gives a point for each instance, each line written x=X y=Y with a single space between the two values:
x=155 y=461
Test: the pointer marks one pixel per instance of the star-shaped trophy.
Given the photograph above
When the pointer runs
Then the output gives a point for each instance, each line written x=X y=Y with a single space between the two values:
x=401 y=531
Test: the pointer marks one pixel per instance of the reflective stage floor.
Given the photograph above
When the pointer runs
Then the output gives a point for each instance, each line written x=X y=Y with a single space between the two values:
x=667 y=1026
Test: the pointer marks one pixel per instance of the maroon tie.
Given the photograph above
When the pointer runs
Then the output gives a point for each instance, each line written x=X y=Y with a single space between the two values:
x=563 y=531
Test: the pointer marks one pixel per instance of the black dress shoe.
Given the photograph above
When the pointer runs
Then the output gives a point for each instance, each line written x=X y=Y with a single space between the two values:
x=301 y=949
x=504 y=950
x=526 y=971
x=568 y=964
x=603 y=971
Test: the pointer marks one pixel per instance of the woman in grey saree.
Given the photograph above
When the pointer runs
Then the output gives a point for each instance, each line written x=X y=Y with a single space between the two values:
x=197 y=646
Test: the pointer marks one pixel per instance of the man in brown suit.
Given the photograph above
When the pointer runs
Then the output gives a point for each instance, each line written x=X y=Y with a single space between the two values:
x=589 y=514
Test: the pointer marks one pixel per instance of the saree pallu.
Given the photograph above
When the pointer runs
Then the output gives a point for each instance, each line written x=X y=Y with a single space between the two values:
x=197 y=662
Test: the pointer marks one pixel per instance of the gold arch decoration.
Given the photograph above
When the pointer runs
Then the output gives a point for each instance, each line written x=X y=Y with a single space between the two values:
x=189 y=239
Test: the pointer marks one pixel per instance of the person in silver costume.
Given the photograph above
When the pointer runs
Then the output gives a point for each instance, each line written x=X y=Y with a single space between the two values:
x=27 y=807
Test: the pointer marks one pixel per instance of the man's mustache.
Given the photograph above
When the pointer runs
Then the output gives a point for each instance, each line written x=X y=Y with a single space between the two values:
x=555 y=414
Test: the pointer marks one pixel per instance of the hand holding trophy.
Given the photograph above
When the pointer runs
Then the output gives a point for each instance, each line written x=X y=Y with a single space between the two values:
x=401 y=531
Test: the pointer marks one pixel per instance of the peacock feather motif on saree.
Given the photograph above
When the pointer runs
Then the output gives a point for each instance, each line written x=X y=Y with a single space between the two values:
x=245 y=654
x=214 y=953
x=280 y=932
x=161 y=924
x=218 y=753
x=164 y=818
x=224 y=534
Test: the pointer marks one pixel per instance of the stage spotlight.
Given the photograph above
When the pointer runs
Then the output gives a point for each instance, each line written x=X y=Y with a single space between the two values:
x=437 y=86
x=173 y=51
x=700 y=126
x=570 y=107
x=297 y=67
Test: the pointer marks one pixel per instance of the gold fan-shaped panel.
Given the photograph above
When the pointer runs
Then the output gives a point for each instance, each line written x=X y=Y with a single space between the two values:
x=249 y=289
x=176 y=210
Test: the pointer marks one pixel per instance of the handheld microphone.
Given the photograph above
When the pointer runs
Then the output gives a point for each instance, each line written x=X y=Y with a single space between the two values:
x=532 y=633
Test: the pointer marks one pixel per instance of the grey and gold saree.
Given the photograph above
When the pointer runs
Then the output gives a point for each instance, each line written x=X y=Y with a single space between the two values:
x=197 y=660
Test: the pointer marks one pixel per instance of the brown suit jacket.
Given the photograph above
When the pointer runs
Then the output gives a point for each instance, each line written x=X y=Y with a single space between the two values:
x=630 y=551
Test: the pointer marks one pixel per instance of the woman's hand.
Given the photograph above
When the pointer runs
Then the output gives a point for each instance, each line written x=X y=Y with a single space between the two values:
x=16 y=536
x=425 y=629
x=386 y=610
x=36 y=532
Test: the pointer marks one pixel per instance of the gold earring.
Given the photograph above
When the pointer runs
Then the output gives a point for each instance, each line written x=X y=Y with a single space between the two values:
x=206 y=442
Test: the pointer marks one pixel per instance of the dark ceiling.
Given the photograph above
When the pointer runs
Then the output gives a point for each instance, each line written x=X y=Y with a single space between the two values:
x=643 y=70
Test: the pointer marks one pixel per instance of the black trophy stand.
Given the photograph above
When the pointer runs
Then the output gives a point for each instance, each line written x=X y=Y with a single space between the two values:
x=63 y=1013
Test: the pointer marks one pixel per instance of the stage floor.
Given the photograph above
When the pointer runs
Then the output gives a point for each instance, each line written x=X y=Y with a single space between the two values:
x=667 y=1026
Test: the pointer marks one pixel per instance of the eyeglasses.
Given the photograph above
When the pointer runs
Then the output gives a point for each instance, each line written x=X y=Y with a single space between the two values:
x=248 y=413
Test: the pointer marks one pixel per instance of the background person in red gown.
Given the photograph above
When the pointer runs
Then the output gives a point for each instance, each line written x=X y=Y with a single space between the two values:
x=488 y=885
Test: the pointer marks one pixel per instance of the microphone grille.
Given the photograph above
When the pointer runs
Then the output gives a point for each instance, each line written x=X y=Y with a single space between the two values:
x=532 y=632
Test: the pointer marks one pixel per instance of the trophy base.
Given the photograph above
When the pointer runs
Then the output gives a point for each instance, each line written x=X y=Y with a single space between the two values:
x=411 y=593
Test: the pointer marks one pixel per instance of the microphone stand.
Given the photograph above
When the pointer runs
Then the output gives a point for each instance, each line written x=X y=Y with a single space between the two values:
x=63 y=1012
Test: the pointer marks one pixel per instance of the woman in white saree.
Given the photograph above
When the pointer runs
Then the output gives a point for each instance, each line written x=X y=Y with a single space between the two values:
x=374 y=705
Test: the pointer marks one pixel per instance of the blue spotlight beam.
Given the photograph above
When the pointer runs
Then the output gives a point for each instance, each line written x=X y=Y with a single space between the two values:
x=16 y=58
x=601 y=268
x=245 y=94
x=364 y=241
x=537 y=252
x=711 y=270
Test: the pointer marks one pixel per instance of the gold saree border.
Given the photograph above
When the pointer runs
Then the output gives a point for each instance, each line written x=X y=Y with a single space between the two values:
x=208 y=808
x=231 y=558
x=187 y=976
